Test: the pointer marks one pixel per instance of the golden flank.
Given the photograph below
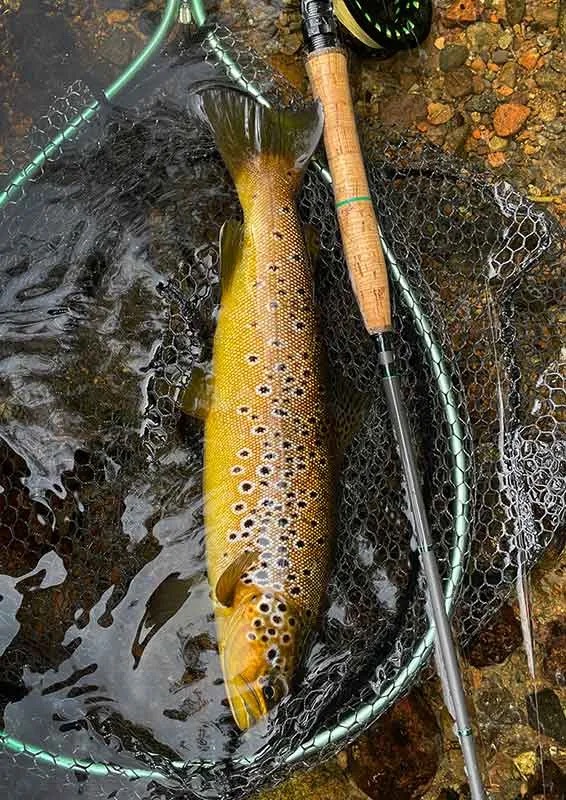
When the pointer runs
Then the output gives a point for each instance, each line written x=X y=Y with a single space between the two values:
x=269 y=468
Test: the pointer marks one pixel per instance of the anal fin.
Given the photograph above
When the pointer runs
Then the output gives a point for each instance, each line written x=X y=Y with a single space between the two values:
x=226 y=585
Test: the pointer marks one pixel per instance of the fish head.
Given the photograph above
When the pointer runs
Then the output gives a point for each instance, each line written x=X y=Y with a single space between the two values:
x=259 y=655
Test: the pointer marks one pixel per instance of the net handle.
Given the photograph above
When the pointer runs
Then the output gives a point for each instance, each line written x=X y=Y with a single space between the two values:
x=328 y=74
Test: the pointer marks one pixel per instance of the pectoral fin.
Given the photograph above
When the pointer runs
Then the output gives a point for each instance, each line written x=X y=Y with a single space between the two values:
x=228 y=581
x=196 y=397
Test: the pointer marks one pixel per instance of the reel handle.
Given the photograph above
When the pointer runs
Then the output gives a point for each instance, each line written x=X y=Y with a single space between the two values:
x=328 y=74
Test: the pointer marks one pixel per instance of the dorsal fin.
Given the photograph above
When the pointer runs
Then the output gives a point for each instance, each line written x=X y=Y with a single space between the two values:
x=228 y=581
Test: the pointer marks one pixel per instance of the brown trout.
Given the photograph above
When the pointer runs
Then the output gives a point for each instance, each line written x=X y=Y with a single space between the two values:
x=268 y=450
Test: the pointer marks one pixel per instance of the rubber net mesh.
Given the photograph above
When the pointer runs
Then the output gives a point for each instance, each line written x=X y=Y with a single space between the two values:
x=109 y=678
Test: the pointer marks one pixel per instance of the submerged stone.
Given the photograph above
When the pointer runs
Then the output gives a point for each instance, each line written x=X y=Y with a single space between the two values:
x=545 y=712
x=554 y=661
x=499 y=639
x=399 y=756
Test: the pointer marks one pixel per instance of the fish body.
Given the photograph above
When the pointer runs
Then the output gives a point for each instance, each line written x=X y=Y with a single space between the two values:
x=268 y=446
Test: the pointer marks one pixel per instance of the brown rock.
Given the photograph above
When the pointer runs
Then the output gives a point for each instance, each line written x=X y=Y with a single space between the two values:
x=117 y=17
x=548 y=781
x=462 y=12
x=504 y=779
x=502 y=636
x=458 y=83
x=439 y=113
x=508 y=74
x=402 y=111
x=529 y=59
x=554 y=663
x=546 y=106
x=478 y=84
x=478 y=65
x=514 y=11
x=509 y=118
x=399 y=757
x=496 y=160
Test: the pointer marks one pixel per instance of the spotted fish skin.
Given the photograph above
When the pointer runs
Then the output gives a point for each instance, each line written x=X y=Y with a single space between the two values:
x=269 y=443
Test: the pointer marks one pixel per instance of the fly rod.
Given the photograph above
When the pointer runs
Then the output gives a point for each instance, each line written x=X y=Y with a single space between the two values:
x=361 y=240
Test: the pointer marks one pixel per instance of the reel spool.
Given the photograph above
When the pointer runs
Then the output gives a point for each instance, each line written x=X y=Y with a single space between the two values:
x=386 y=26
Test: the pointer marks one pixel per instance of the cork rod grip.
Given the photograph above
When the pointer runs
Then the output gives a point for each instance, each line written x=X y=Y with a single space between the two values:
x=328 y=74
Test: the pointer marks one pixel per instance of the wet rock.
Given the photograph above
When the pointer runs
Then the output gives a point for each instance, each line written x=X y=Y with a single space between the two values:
x=399 y=757
x=548 y=782
x=546 y=106
x=514 y=11
x=484 y=103
x=456 y=138
x=496 y=706
x=483 y=35
x=439 y=113
x=462 y=12
x=508 y=74
x=529 y=59
x=459 y=82
x=452 y=57
x=502 y=636
x=545 y=712
x=116 y=48
x=551 y=80
x=504 y=779
x=117 y=16
x=501 y=56
x=402 y=111
x=544 y=779
x=554 y=661
x=544 y=16
x=509 y=118
x=496 y=144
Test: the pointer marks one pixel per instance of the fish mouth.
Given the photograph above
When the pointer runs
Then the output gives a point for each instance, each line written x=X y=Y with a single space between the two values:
x=247 y=705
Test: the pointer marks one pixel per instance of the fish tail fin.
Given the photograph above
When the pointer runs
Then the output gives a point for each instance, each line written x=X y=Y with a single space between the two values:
x=248 y=133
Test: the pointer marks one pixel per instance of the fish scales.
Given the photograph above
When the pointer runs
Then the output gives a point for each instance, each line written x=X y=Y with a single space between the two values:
x=269 y=448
